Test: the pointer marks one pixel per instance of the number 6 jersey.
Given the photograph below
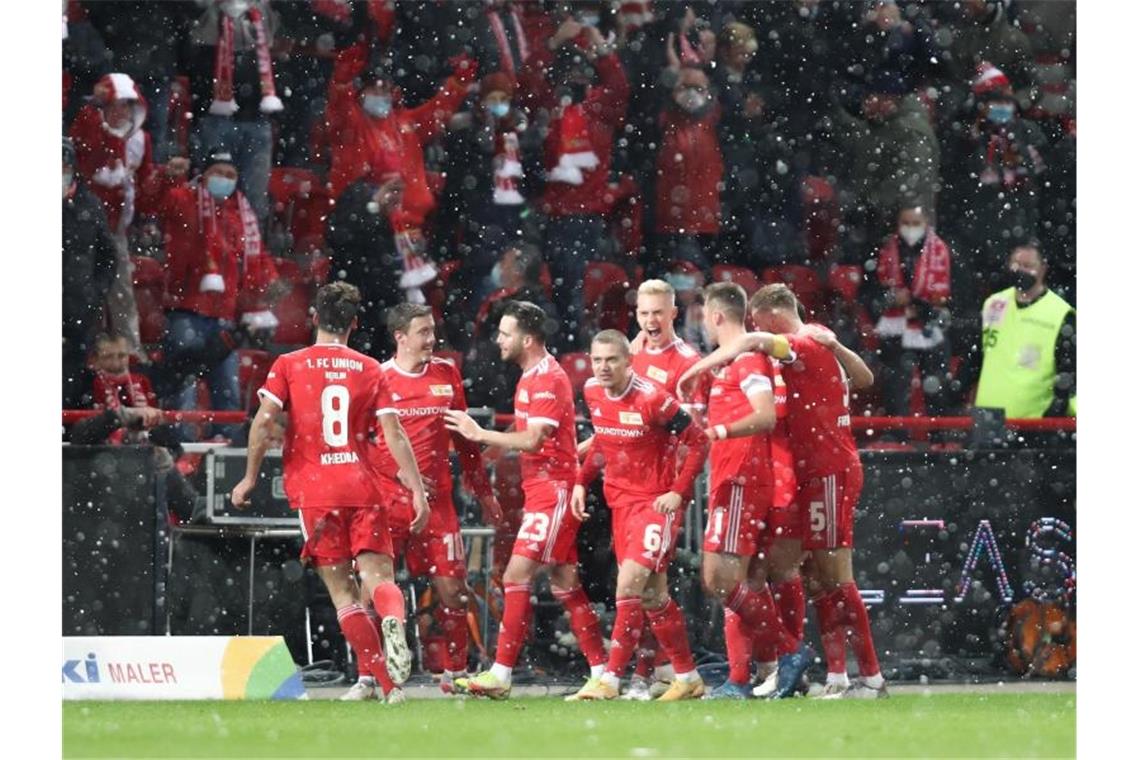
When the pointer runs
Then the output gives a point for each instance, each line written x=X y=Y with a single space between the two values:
x=333 y=396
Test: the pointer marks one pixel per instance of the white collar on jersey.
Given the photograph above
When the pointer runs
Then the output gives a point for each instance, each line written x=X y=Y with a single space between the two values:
x=628 y=388
x=391 y=364
x=663 y=349
x=541 y=363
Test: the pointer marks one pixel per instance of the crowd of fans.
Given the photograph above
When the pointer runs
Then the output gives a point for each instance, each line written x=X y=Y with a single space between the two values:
x=884 y=157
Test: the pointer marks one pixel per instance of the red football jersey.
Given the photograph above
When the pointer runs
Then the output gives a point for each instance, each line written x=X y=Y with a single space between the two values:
x=746 y=459
x=783 y=463
x=632 y=438
x=333 y=396
x=663 y=367
x=421 y=399
x=819 y=412
x=544 y=394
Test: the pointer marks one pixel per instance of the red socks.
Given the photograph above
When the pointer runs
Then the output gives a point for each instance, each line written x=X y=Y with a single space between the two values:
x=669 y=628
x=362 y=637
x=584 y=624
x=831 y=631
x=513 y=628
x=627 y=631
x=454 y=625
x=789 y=596
x=389 y=601
x=855 y=617
x=758 y=611
x=842 y=613
x=738 y=644
x=649 y=654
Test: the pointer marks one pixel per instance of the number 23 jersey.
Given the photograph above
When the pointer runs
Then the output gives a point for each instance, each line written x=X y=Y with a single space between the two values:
x=333 y=396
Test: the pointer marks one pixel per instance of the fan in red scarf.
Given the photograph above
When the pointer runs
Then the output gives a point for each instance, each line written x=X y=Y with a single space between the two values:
x=252 y=18
x=377 y=138
x=115 y=388
x=924 y=278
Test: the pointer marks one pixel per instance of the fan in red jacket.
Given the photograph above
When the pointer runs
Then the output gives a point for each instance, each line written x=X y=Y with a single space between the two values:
x=113 y=155
x=217 y=271
x=690 y=169
x=376 y=138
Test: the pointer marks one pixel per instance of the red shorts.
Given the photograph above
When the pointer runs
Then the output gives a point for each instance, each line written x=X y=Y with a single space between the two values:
x=781 y=522
x=827 y=509
x=736 y=515
x=646 y=536
x=338 y=534
x=435 y=551
x=549 y=532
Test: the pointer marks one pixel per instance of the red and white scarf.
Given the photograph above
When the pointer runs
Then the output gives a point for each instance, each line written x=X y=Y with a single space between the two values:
x=508 y=169
x=575 y=151
x=109 y=391
x=930 y=280
x=208 y=226
x=418 y=268
x=506 y=60
x=224 y=103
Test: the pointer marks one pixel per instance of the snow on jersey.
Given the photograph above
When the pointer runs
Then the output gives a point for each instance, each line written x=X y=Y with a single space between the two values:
x=333 y=396
x=746 y=460
x=544 y=395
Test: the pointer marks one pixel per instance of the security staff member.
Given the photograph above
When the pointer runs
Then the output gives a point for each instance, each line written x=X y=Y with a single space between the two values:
x=1029 y=344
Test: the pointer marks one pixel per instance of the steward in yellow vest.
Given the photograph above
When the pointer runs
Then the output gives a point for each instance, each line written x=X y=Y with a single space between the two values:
x=1029 y=345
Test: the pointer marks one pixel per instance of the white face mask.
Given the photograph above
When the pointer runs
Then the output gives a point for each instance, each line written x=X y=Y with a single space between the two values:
x=912 y=233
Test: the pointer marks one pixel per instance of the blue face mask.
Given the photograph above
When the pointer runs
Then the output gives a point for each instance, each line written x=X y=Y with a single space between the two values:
x=1000 y=113
x=378 y=105
x=499 y=110
x=220 y=187
x=589 y=19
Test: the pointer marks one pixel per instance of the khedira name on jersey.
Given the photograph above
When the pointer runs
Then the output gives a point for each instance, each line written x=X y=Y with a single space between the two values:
x=340 y=457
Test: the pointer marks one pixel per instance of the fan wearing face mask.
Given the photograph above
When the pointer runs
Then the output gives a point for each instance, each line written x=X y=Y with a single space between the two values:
x=913 y=269
x=690 y=170
x=374 y=136
x=218 y=274
x=113 y=155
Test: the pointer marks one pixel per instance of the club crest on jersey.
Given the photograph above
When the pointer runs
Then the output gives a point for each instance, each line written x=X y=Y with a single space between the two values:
x=658 y=374
x=630 y=418
x=442 y=390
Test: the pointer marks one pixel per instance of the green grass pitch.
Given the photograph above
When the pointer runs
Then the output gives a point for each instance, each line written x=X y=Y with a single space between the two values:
x=938 y=725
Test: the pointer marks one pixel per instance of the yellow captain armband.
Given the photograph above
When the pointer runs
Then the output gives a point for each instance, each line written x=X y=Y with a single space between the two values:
x=781 y=348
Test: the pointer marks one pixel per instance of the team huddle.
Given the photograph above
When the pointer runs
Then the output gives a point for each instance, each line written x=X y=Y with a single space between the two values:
x=366 y=464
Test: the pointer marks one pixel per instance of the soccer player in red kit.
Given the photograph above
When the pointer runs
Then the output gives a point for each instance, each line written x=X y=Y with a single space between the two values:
x=544 y=434
x=637 y=427
x=423 y=387
x=334 y=397
x=741 y=413
x=828 y=470
x=659 y=357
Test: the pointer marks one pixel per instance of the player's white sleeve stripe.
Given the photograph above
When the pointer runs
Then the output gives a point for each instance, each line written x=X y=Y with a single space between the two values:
x=541 y=421
x=262 y=393
x=385 y=410
x=756 y=383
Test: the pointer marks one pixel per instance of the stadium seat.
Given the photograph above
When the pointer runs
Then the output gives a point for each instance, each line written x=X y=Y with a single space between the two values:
x=605 y=293
x=577 y=366
x=742 y=276
x=292 y=311
x=149 y=290
x=846 y=281
x=803 y=281
x=253 y=368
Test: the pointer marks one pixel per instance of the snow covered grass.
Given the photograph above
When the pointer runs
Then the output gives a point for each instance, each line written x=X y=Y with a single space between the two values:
x=928 y=725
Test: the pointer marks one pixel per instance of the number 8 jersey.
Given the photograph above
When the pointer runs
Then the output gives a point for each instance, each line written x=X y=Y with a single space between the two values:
x=333 y=396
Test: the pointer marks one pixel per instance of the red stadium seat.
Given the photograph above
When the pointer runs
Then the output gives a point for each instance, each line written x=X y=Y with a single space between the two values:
x=845 y=280
x=577 y=366
x=605 y=292
x=253 y=368
x=821 y=216
x=803 y=281
x=149 y=289
x=292 y=311
x=742 y=276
